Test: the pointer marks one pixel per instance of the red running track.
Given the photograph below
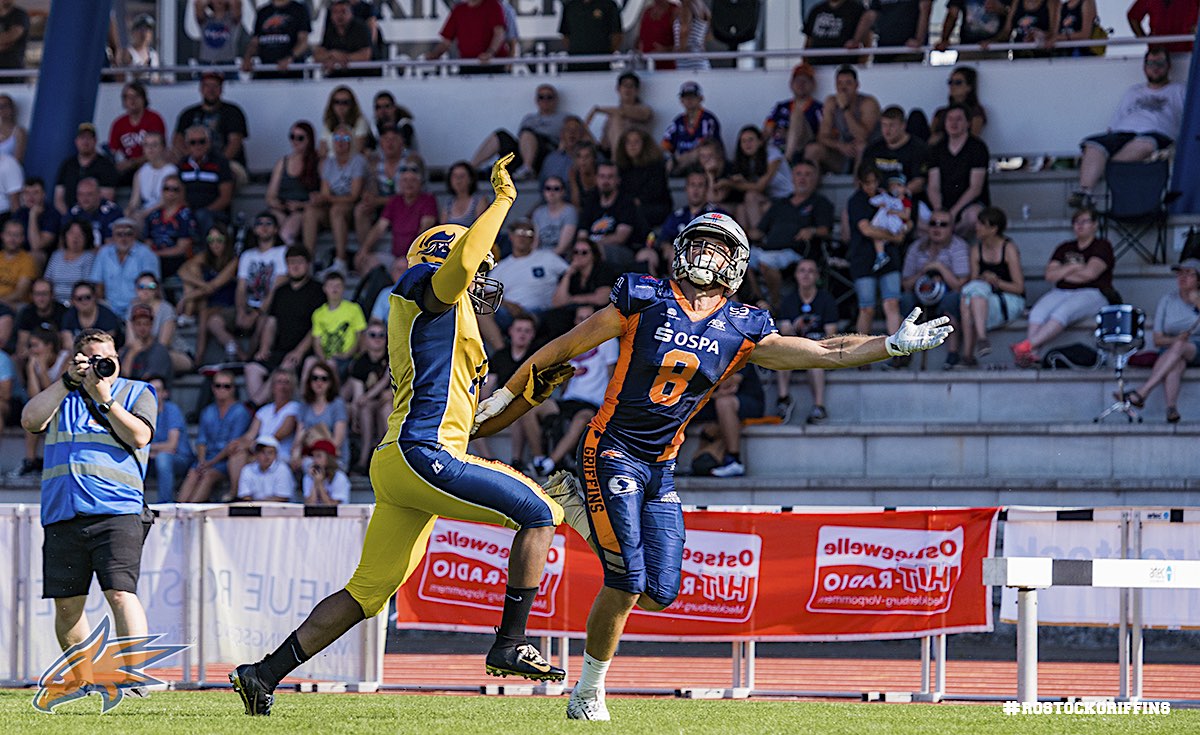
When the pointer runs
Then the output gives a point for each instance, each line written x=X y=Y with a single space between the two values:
x=964 y=678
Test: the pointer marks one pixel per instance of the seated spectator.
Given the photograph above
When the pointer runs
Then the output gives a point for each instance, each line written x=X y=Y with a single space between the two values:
x=145 y=195
x=210 y=292
x=687 y=130
x=41 y=222
x=530 y=274
x=1032 y=21
x=409 y=213
x=277 y=419
x=128 y=132
x=221 y=423
x=810 y=312
x=711 y=159
x=13 y=137
x=171 y=229
x=226 y=125
x=615 y=223
x=163 y=330
x=266 y=479
x=836 y=24
x=792 y=228
x=995 y=293
x=143 y=355
x=982 y=23
x=286 y=337
x=1166 y=19
x=388 y=114
x=42 y=313
x=940 y=256
x=582 y=395
x=588 y=280
x=503 y=362
x=71 y=263
x=382 y=304
x=220 y=23
x=1146 y=121
x=537 y=135
x=759 y=174
x=1175 y=322
x=336 y=326
x=958 y=175
x=465 y=203
x=12 y=180
x=559 y=161
x=343 y=175
x=630 y=113
x=294 y=180
x=368 y=394
x=964 y=90
x=898 y=153
x=903 y=23
x=696 y=203
x=477 y=28
x=342 y=109
x=322 y=413
x=8 y=381
x=46 y=364
x=140 y=51
x=644 y=176
x=281 y=29
x=324 y=483
x=656 y=34
x=261 y=269
x=590 y=28
x=795 y=122
x=582 y=177
x=871 y=284
x=346 y=40
x=691 y=34
x=118 y=265
x=1076 y=21
x=87 y=163
x=383 y=184
x=95 y=209
x=893 y=213
x=555 y=219
x=87 y=312
x=849 y=123
x=17 y=269
x=737 y=399
x=207 y=180
x=1081 y=271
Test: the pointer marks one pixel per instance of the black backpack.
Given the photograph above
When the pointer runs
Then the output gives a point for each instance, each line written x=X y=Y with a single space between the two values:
x=735 y=22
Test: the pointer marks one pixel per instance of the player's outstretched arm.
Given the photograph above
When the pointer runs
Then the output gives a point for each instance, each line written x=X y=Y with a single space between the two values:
x=455 y=275
x=850 y=350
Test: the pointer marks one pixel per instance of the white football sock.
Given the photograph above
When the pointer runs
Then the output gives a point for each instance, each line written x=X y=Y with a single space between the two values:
x=591 y=679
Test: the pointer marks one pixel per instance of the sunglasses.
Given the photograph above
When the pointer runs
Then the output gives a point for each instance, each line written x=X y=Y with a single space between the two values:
x=123 y=233
x=200 y=141
x=956 y=82
x=341 y=138
x=172 y=188
x=523 y=233
x=384 y=106
x=318 y=379
x=546 y=97
x=264 y=223
x=341 y=102
x=215 y=238
x=82 y=297
x=408 y=170
x=147 y=286
x=939 y=223
x=297 y=138
x=581 y=252
x=222 y=386
x=552 y=188
x=375 y=335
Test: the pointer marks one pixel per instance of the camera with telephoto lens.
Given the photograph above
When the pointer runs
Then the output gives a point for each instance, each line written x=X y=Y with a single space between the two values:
x=105 y=367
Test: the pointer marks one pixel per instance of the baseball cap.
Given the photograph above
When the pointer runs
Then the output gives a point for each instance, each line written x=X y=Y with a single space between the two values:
x=1192 y=264
x=266 y=440
x=897 y=176
x=85 y=127
x=322 y=445
x=689 y=88
x=123 y=222
x=141 y=311
x=804 y=68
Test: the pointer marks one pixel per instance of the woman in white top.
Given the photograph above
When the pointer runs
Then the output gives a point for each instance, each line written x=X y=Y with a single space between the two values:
x=276 y=419
x=343 y=109
x=146 y=192
x=691 y=33
x=12 y=136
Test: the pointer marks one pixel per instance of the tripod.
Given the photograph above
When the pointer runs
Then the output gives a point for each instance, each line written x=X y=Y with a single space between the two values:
x=1123 y=405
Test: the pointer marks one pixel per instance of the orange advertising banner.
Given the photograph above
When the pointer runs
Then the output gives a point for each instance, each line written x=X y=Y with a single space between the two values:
x=745 y=576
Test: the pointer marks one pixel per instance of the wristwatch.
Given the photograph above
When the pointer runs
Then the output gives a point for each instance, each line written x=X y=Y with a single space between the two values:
x=106 y=406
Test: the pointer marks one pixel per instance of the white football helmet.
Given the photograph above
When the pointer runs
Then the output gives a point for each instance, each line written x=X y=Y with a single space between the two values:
x=702 y=269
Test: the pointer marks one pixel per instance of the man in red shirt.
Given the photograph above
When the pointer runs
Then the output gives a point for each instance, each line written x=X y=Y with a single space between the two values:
x=478 y=28
x=1167 y=18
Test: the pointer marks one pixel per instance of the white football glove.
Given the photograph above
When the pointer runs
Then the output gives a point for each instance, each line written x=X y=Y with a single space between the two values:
x=912 y=337
x=492 y=406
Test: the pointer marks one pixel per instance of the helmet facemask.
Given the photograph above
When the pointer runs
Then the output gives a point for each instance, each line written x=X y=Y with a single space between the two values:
x=486 y=293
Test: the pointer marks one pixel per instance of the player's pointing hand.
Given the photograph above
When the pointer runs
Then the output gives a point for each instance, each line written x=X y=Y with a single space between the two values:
x=502 y=182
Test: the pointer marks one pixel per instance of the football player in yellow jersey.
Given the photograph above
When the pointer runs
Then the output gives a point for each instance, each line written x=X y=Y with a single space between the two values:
x=422 y=470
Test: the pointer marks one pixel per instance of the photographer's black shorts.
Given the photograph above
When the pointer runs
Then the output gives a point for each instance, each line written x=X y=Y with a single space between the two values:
x=109 y=546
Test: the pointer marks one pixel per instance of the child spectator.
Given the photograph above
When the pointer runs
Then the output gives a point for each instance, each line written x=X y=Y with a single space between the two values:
x=324 y=483
x=893 y=214
x=687 y=130
x=336 y=326
x=277 y=419
x=266 y=479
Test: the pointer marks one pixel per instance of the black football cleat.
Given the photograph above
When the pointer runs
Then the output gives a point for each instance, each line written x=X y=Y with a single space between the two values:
x=521 y=659
x=255 y=695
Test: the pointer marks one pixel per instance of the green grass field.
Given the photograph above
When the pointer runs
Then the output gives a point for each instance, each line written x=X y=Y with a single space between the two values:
x=200 y=713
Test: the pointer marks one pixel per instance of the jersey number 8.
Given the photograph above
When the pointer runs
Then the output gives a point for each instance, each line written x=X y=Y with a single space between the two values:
x=678 y=367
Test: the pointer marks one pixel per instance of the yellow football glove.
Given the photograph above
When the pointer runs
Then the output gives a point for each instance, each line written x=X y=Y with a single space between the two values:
x=543 y=381
x=502 y=182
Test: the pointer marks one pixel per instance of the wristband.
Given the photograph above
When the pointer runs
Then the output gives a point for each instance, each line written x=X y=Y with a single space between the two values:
x=71 y=385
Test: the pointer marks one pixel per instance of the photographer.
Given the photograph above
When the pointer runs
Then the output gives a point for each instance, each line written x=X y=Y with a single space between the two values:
x=98 y=427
